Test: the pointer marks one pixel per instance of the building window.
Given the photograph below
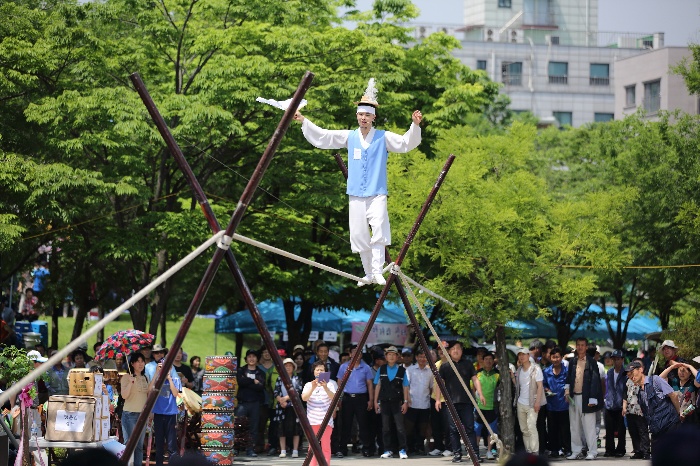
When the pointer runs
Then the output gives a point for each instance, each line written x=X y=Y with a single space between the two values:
x=600 y=74
x=481 y=64
x=630 y=96
x=504 y=3
x=558 y=72
x=603 y=117
x=512 y=73
x=564 y=118
x=652 y=96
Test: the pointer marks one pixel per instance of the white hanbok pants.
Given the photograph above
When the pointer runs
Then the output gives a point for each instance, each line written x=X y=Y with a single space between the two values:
x=370 y=211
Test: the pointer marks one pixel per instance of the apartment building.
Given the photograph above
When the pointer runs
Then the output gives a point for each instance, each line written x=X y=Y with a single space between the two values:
x=549 y=54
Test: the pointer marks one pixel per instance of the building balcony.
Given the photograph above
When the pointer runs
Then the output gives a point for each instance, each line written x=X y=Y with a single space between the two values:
x=599 y=81
x=558 y=79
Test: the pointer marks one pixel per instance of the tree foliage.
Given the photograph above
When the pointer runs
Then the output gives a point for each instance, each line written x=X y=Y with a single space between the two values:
x=106 y=182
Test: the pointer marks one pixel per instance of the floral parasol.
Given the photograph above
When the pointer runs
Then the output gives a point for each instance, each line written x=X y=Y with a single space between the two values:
x=123 y=343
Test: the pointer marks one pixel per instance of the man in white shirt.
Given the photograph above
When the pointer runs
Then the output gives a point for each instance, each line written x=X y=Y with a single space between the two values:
x=529 y=396
x=417 y=418
x=368 y=150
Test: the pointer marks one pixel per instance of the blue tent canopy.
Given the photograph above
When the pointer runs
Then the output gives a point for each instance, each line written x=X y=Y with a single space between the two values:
x=332 y=320
x=640 y=325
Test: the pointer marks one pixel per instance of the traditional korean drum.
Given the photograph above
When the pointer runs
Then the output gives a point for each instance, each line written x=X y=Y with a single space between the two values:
x=222 y=457
x=221 y=364
x=219 y=401
x=218 y=420
x=216 y=439
x=219 y=383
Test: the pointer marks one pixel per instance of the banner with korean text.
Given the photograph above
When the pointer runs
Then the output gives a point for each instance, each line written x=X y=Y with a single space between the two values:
x=394 y=334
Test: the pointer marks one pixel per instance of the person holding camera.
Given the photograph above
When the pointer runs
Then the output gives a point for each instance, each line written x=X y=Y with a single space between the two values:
x=318 y=395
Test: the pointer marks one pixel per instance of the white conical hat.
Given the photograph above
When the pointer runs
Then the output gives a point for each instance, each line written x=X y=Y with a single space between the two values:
x=370 y=95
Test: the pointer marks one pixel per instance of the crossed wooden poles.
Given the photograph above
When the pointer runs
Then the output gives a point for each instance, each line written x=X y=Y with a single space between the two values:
x=223 y=252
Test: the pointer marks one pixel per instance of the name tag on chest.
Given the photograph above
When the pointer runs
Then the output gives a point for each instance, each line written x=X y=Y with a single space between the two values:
x=357 y=154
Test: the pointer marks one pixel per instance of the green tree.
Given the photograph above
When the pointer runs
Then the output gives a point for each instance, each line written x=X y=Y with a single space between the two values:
x=690 y=69
x=204 y=63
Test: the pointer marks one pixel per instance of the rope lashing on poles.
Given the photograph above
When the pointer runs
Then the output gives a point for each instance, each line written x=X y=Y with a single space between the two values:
x=493 y=437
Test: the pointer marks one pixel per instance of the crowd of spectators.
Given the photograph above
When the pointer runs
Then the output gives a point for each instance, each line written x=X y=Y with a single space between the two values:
x=391 y=405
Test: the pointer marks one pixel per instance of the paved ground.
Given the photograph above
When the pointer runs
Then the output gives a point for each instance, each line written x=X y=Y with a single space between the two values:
x=358 y=460
x=428 y=461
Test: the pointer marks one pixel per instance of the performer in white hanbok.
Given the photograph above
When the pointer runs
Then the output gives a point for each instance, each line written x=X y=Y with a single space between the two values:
x=368 y=150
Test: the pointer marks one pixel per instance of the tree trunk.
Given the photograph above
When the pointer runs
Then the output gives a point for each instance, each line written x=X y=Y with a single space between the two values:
x=139 y=311
x=298 y=330
x=160 y=301
x=84 y=300
x=100 y=315
x=54 y=328
x=239 y=348
x=505 y=406
x=563 y=336
x=163 y=336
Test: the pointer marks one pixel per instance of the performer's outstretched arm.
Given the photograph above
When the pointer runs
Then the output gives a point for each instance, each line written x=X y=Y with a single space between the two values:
x=410 y=140
x=322 y=138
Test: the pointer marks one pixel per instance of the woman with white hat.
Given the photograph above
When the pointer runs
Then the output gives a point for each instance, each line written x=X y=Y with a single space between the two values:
x=284 y=412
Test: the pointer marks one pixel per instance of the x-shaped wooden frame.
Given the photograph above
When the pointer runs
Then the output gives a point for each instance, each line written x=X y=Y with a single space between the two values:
x=223 y=252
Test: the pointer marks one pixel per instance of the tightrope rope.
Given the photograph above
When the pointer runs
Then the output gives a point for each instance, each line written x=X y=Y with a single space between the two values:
x=303 y=260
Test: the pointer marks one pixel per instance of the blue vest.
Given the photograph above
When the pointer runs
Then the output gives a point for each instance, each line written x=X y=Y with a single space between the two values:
x=367 y=174
x=660 y=413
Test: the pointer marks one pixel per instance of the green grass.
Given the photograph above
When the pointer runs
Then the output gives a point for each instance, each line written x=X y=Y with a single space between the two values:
x=200 y=339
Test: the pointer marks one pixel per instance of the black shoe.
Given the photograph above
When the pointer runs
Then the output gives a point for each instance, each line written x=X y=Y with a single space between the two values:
x=339 y=454
x=620 y=454
x=272 y=452
x=609 y=454
x=457 y=459
x=366 y=454
x=637 y=456
x=646 y=457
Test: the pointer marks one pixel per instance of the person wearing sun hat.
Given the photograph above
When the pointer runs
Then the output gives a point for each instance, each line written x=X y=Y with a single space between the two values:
x=669 y=351
x=368 y=150
x=284 y=411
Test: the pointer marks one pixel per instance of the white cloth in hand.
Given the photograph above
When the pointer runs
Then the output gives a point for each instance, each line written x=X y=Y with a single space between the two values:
x=281 y=105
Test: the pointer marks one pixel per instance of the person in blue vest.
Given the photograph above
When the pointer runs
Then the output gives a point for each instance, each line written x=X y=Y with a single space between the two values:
x=392 y=399
x=368 y=150
x=616 y=391
x=658 y=401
